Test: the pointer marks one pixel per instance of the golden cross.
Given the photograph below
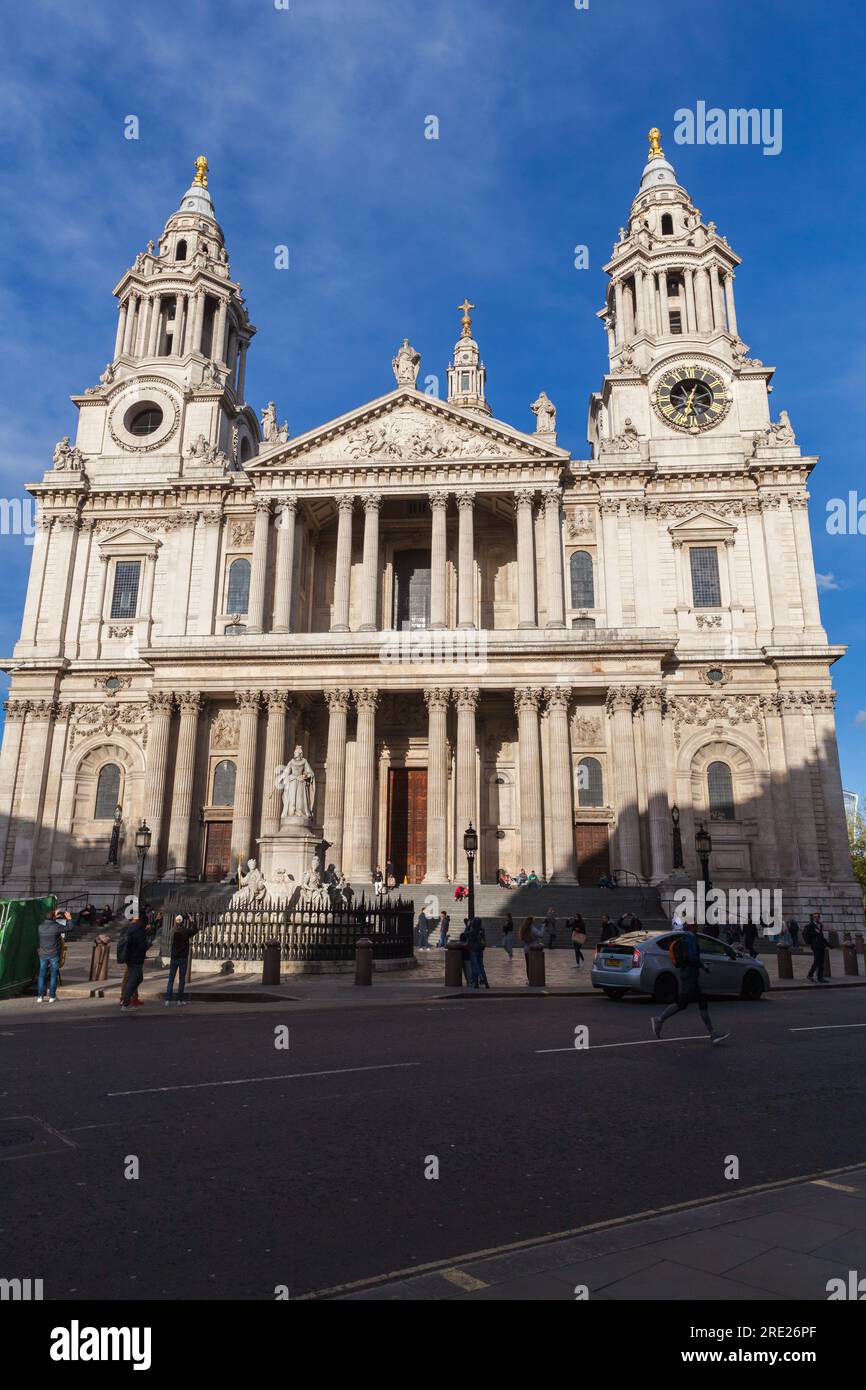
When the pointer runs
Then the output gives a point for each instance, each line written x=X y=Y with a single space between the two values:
x=467 y=322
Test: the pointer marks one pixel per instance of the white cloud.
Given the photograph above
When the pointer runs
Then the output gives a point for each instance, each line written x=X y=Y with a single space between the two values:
x=860 y=716
x=827 y=582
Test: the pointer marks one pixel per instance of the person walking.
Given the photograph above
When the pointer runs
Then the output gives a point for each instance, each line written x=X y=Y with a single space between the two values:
x=50 y=951
x=508 y=936
x=685 y=952
x=813 y=935
x=750 y=936
x=476 y=942
x=530 y=932
x=578 y=939
x=794 y=929
x=423 y=931
x=608 y=929
x=464 y=946
x=135 y=946
x=444 y=925
x=550 y=926
x=178 y=962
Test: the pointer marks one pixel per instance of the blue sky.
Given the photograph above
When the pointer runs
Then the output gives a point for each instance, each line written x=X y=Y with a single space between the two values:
x=313 y=119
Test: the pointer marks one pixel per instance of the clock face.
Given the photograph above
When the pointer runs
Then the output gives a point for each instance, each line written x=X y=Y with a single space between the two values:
x=691 y=398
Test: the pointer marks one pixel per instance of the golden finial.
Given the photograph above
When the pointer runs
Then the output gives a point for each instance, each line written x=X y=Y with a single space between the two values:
x=200 y=180
x=655 y=149
x=466 y=320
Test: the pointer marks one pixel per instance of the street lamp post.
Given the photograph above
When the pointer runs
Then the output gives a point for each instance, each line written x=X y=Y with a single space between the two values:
x=704 y=848
x=143 y=838
x=470 y=845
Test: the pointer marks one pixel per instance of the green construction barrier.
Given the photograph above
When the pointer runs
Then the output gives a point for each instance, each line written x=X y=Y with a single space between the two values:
x=19 y=942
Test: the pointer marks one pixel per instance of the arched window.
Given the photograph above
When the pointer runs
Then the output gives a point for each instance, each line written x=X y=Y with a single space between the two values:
x=107 y=792
x=246 y=449
x=180 y=251
x=667 y=224
x=238 y=600
x=224 y=783
x=590 y=784
x=721 y=791
x=582 y=587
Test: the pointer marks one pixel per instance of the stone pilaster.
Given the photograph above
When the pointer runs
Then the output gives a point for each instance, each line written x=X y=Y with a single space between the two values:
x=610 y=556
x=466 y=700
x=372 y=503
x=526 y=702
x=827 y=754
x=552 y=499
x=286 y=524
x=41 y=544
x=799 y=505
x=337 y=702
x=437 y=701
x=651 y=701
x=560 y=782
x=466 y=559
x=343 y=571
x=780 y=790
x=620 y=704
x=249 y=702
x=189 y=703
x=366 y=702
x=278 y=702
x=438 y=555
x=210 y=519
x=526 y=608
x=160 y=706
x=259 y=567
x=10 y=760
x=796 y=750
x=28 y=817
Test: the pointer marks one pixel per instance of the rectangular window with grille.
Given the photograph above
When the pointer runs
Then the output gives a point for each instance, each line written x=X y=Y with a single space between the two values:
x=706 y=590
x=124 y=597
x=676 y=319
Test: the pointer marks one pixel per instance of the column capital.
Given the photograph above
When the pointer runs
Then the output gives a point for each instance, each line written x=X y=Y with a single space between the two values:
x=650 y=697
x=558 y=697
x=286 y=505
x=620 y=698
x=210 y=516
x=466 y=697
x=524 y=497
x=551 y=499
x=465 y=499
x=366 y=698
x=437 y=697
x=42 y=709
x=438 y=499
x=527 y=698
x=635 y=506
x=67 y=520
x=190 y=701
x=264 y=504
x=371 y=501
x=277 y=699
x=346 y=504
x=15 y=710
x=337 y=701
x=609 y=506
x=160 y=702
x=824 y=699
x=249 y=700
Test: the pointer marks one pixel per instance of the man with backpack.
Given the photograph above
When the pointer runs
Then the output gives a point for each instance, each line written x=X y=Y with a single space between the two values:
x=178 y=962
x=813 y=935
x=685 y=952
x=132 y=947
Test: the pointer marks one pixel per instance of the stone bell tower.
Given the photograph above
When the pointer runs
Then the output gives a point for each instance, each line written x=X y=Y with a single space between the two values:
x=467 y=374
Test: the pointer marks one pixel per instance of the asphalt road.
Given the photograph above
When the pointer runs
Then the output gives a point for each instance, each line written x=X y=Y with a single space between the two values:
x=305 y=1167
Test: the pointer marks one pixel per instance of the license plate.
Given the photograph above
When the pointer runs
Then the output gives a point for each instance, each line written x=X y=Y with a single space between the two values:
x=612 y=964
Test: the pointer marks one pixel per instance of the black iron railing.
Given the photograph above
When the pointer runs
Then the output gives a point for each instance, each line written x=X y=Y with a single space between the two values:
x=304 y=934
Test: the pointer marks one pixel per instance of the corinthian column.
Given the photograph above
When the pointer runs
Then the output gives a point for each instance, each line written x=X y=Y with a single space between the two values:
x=553 y=547
x=796 y=749
x=256 y=611
x=527 y=616
x=466 y=700
x=827 y=754
x=466 y=560
x=160 y=705
x=370 y=580
x=437 y=785
x=335 y=774
x=278 y=702
x=651 y=701
x=620 y=703
x=343 y=572
x=526 y=702
x=610 y=556
x=190 y=703
x=561 y=866
x=439 y=509
x=287 y=515
x=242 y=824
x=28 y=813
x=366 y=702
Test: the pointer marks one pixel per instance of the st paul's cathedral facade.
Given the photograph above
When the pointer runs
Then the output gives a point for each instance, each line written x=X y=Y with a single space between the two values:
x=454 y=619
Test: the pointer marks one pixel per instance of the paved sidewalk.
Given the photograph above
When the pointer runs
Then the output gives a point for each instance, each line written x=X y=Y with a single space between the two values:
x=770 y=1244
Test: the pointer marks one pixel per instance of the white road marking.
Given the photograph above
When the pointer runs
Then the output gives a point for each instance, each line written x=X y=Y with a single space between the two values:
x=823 y=1027
x=837 y=1186
x=642 y=1042
x=251 y=1080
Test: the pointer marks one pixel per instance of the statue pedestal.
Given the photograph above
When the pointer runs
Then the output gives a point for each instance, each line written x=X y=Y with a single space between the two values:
x=290 y=851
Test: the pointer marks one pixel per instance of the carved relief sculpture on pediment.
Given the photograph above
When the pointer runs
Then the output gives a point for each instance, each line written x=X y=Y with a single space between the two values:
x=110 y=716
x=716 y=712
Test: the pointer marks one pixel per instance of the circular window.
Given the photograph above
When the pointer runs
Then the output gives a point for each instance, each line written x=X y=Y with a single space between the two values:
x=113 y=683
x=143 y=419
x=715 y=675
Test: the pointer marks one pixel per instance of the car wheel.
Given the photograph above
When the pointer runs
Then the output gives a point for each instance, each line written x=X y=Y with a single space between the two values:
x=753 y=986
x=666 y=990
x=614 y=993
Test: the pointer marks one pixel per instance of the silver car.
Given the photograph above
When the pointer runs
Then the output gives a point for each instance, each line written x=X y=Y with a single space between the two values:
x=639 y=962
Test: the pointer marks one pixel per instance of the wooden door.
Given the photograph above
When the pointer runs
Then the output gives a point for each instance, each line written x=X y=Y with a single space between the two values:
x=218 y=850
x=592 y=850
x=407 y=822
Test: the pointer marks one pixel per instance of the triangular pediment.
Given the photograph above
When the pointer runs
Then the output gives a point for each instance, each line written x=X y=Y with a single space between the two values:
x=407 y=427
x=702 y=523
x=127 y=538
